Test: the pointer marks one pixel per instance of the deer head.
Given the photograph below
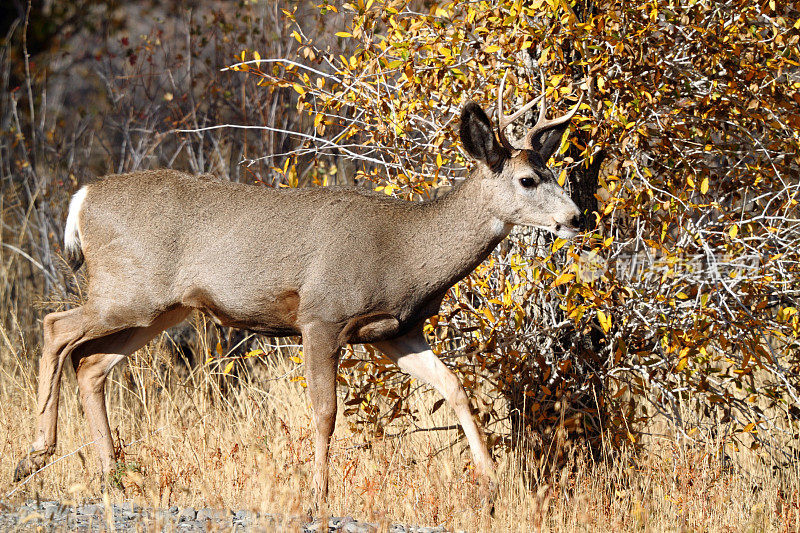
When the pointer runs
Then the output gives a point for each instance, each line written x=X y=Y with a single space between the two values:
x=517 y=185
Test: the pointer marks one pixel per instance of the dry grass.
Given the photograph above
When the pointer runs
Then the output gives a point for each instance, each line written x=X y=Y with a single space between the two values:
x=250 y=447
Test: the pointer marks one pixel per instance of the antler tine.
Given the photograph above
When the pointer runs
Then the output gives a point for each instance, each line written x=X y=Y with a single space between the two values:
x=544 y=124
x=503 y=120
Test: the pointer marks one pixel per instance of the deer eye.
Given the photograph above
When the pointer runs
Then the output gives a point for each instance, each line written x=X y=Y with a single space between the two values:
x=528 y=182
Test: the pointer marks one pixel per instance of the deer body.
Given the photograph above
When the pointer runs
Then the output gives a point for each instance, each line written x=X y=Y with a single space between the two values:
x=229 y=237
x=334 y=265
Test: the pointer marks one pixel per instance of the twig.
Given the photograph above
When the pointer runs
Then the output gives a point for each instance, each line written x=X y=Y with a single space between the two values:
x=48 y=465
x=33 y=261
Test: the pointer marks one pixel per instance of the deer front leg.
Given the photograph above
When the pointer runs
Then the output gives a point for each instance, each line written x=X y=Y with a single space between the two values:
x=413 y=355
x=321 y=352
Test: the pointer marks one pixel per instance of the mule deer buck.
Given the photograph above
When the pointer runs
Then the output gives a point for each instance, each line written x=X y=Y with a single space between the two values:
x=334 y=265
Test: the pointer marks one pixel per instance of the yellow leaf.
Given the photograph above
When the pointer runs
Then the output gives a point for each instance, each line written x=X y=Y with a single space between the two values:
x=562 y=178
x=605 y=321
x=343 y=34
x=296 y=360
x=218 y=348
x=704 y=186
x=491 y=48
x=257 y=57
x=228 y=368
x=558 y=244
x=601 y=82
x=734 y=231
x=299 y=89
x=564 y=277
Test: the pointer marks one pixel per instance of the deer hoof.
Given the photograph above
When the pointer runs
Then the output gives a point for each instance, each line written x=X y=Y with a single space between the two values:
x=29 y=464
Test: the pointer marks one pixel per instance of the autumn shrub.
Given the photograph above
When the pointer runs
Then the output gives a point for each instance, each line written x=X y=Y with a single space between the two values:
x=680 y=302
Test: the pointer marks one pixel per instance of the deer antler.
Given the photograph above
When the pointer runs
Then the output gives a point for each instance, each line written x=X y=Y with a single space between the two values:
x=503 y=121
x=543 y=124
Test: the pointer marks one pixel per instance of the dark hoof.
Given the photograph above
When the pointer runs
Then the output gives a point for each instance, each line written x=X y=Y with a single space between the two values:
x=28 y=465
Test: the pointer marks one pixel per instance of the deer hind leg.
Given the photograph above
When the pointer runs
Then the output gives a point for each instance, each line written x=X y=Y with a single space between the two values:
x=413 y=355
x=62 y=330
x=93 y=362
x=321 y=351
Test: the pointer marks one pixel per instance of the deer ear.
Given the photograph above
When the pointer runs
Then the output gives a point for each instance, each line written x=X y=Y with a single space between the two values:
x=478 y=138
x=548 y=141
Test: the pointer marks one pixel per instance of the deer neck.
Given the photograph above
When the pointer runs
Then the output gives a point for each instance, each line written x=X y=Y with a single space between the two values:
x=458 y=231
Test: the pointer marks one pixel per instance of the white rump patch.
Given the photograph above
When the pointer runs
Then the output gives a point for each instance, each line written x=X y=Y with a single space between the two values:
x=72 y=237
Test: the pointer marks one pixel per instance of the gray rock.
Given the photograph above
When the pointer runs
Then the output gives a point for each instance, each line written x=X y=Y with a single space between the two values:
x=359 y=527
x=89 y=509
x=340 y=521
x=315 y=527
x=51 y=510
x=212 y=514
x=244 y=515
x=165 y=515
x=188 y=514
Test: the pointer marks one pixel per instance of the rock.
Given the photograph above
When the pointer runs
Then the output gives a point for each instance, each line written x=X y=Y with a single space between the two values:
x=359 y=527
x=244 y=515
x=315 y=527
x=212 y=514
x=50 y=510
x=339 y=521
x=165 y=515
x=89 y=509
x=188 y=514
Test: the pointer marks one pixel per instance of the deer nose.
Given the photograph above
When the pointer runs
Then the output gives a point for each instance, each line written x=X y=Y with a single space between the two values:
x=579 y=222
